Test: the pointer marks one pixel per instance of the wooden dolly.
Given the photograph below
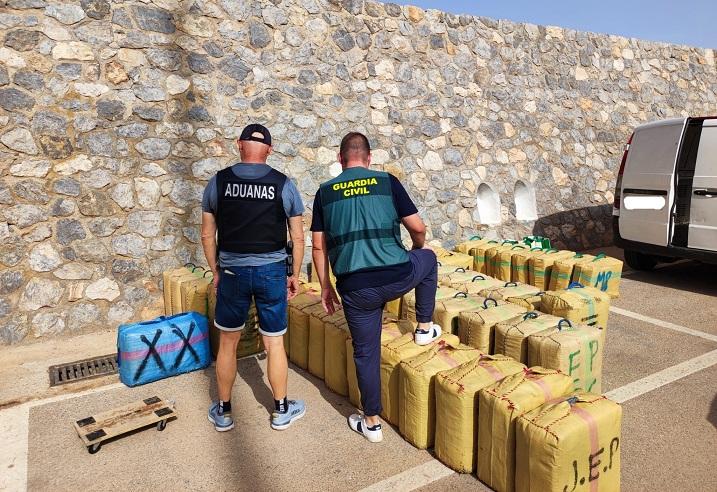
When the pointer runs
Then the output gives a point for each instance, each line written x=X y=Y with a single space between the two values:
x=121 y=420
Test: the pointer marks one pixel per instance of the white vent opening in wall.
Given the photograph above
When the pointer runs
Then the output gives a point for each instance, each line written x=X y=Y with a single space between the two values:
x=525 y=207
x=488 y=205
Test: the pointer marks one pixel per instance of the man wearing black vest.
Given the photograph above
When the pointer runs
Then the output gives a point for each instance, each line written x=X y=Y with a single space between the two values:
x=356 y=226
x=247 y=207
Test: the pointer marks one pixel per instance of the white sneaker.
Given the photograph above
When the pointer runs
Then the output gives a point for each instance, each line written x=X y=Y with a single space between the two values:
x=358 y=424
x=424 y=337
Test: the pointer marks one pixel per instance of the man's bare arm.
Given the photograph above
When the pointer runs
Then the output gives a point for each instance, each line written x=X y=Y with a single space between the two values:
x=416 y=228
x=296 y=232
x=318 y=254
x=209 y=242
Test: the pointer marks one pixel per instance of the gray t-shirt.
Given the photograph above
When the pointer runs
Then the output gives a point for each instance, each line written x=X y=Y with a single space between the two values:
x=293 y=206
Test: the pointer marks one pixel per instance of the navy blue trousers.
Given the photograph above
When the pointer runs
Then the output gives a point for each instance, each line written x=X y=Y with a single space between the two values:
x=364 y=311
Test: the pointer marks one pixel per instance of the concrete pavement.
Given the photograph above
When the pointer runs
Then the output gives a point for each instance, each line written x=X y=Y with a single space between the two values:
x=669 y=432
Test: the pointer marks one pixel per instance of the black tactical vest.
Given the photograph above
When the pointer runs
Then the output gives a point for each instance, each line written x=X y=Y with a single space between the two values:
x=250 y=212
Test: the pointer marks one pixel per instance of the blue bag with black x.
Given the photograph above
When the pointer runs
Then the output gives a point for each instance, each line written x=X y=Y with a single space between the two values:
x=163 y=347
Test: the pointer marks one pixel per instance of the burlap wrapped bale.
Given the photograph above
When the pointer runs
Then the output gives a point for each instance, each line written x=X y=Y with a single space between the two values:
x=492 y=257
x=479 y=255
x=581 y=305
x=447 y=310
x=392 y=353
x=335 y=336
x=468 y=247
x=299 y=326
x=409 y=301
x=603 y=272
x=576 y=350
x=519 y=265
x=509 y=289
x=452 y=258
x=511 y=336
x=470 y=281
x=562 y=271
x=317 y=339
x=570 y=445
x=417 y=403
x=457 y=407
x=503 y=262
x=499 y=406
x=540 y=266
x=475 y=328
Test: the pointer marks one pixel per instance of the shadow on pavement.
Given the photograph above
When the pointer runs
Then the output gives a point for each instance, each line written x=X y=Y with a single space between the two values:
x=690 y=276
x=712 y=416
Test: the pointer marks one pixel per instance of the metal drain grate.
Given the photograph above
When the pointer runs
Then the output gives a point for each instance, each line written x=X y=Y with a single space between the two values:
x=83 y=369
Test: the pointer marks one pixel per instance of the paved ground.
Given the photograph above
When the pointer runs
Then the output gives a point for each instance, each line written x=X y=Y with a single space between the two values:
x=660 y=362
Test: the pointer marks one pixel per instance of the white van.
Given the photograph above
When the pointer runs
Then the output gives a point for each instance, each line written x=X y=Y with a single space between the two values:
x=666 y=194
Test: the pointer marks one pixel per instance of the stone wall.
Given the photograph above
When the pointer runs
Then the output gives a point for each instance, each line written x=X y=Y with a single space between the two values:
x=113 y=115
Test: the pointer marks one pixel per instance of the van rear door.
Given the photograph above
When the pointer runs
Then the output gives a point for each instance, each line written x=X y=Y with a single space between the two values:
x=647 y=191
x=703 y=202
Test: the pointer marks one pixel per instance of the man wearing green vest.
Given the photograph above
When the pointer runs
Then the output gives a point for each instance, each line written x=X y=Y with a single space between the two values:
x=356 y=227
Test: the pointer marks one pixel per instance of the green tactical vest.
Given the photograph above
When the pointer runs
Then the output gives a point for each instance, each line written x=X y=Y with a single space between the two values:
x=361 y=225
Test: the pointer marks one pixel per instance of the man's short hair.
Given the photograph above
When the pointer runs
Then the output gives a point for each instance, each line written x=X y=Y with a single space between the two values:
x=354 y=146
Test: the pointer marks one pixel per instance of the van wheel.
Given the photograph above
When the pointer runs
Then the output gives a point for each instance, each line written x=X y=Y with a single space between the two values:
x=640 y=261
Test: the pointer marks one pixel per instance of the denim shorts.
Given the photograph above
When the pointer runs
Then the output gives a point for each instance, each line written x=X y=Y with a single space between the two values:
x=266 y=284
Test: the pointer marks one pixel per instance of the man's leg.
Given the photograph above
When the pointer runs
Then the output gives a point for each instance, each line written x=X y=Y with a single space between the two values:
x=364 y=313
x=227 y=363
x=233 y=300
x=425 y=272
x=277 y=365
x=271 y=306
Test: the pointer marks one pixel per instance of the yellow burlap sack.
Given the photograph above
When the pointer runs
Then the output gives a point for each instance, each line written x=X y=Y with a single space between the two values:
x=446 y=311
x=540 y=266
x=603 y=273
x=417 y=401
x=392 y=353
x=562 y=271
x=532 y=302
x=408 y=305
x=452 y=258
x=299 y=326
x=577 y=350
x=175 y=290
x=457 y=276
x=503 y=262
x=167 y=280
x=491 y=257
x=394 y=307
x=519 y=265
x=473 y=283
x=299 y=353
x=392 y=328
x=457 y=409
x=194 y=294
x=499 y=406
x=469 y=246
x=444 y=271
x=475 y=328
x=571 y=445
x=509 y=289
x=582 y=305
x=317 y=339
x=479 y=255
x=511 y=335
x=335 y=336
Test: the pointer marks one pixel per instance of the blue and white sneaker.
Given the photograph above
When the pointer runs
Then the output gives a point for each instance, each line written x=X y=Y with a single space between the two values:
x=358 y=424
x=222 y=421
x=424 y=337
x=281 y=421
